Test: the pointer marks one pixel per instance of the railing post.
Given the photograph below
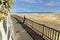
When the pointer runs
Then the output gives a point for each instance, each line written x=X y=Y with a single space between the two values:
x=50 y=33
x=43 y=31
x=55 y=36
x=58 y=36
x=47 y=31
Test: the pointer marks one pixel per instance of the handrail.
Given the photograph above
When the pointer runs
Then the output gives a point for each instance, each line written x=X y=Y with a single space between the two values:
x=55 y=33
x=47 y=32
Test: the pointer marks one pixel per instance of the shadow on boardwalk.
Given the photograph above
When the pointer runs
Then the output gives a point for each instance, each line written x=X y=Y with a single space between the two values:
x=32 y=33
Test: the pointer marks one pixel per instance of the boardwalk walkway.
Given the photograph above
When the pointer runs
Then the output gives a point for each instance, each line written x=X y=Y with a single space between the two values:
x=23 y=32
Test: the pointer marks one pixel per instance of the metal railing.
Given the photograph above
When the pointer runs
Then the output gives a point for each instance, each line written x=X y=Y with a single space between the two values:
x=45 y=31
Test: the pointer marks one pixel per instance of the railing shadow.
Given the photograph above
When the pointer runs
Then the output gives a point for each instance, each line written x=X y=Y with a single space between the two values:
x=32 y=33
x=45 y=31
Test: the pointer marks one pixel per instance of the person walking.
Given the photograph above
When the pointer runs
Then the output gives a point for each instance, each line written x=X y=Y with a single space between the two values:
x=24 y=19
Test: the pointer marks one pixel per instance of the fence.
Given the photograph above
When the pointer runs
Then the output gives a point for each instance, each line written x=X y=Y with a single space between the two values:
x=45 y=31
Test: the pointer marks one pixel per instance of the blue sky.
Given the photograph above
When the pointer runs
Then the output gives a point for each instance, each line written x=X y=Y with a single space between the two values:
x=36 y=6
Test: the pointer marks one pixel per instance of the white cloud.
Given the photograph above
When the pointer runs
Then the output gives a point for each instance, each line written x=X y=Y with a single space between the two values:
x=20 y=9
x=52 y=3
x=30 y=1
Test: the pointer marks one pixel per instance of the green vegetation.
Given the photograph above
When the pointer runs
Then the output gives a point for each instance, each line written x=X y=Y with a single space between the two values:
x=5 y=6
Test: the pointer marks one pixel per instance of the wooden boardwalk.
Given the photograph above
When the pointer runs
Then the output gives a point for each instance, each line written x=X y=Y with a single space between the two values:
x=23 y=32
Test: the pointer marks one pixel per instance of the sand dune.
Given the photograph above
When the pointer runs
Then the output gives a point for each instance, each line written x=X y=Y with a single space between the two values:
x=52 y=16
x=50 y=19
